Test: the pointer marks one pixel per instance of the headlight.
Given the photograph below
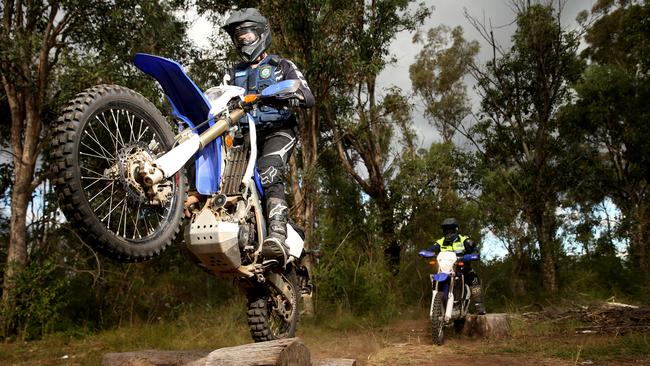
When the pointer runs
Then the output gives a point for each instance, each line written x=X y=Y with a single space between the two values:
x=446 y=261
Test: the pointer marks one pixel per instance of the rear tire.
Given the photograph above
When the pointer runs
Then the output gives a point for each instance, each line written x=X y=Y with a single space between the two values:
x=437 y=320
x=97 y=131
x=265 y=322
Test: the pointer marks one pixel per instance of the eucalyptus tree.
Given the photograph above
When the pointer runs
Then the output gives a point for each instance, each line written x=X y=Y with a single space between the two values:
x=52 y=49
x=437 y=77
x=522 y=90
x=608 y=122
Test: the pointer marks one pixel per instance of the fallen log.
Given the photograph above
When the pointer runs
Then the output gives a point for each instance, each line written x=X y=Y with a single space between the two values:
x=152 y=358
x=282 y=352
x=487 y=326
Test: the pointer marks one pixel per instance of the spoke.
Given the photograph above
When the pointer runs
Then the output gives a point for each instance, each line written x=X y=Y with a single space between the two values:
x=109 y=207
x=128 y=118
x=98 y=154
x=119 y=224
x=96 y=140
x=102 y=204
x=143 y=133
x=95 y=156
x=135 y=222
x=103 y=123
x=144 y=220
x=117 y=126
x=139 y=128
x=95 y=180
x=110 y=212
x=126 y=221
x=99 y=175
x=100 y=192
x=151 y=228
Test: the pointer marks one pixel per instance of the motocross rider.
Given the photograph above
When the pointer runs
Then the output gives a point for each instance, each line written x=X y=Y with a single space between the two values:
x=454 y=242
x=276 y=125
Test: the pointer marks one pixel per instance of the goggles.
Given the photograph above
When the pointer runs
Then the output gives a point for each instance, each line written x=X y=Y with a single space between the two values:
x=245 y=36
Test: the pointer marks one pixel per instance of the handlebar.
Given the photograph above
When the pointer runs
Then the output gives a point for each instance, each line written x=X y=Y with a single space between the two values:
x=464 y=257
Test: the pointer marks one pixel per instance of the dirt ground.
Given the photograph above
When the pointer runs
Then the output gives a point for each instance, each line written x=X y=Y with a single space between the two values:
x=408 y=342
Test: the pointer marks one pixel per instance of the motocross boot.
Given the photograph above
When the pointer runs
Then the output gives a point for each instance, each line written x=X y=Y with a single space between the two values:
x=476 y=292
x=274 y=246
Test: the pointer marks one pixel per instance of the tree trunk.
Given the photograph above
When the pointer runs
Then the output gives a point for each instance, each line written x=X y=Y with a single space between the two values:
x=392 y=250
x=25 y=131
x=304 y=195
x=639 y=237
x=546 y=241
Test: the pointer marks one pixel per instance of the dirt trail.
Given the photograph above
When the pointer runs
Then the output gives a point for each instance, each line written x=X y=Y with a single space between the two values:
x=408 y=342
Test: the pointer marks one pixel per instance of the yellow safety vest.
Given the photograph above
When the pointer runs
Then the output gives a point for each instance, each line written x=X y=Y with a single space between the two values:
x=457 y=246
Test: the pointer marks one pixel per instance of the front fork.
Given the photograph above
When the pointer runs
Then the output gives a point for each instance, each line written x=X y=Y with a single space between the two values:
x=450 y=297
x=171 y=162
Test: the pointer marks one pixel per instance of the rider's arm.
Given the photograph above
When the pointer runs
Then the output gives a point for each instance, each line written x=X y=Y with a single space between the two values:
x=435 y=248
x=290 y=71
x=470 y=246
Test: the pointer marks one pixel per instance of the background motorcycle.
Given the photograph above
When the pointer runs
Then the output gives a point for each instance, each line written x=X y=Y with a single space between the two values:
x=120 y=182
x=451 y=295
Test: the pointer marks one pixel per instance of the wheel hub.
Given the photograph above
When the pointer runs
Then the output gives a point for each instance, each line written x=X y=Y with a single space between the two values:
x=129 y=160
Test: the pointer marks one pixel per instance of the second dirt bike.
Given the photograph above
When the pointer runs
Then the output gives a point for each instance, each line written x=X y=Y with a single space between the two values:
x=121 y=183
x=450 y=296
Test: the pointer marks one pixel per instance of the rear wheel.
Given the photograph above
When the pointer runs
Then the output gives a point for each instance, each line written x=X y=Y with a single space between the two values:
x=270 y=315
x=437 y=319
x=96 y=174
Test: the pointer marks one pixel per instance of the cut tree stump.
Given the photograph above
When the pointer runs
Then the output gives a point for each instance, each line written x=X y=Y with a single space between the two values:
x=282 y=352
x=487 y=326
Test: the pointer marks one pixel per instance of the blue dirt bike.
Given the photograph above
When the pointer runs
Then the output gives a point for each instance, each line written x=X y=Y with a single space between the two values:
x=121 y=183
x=451 y=295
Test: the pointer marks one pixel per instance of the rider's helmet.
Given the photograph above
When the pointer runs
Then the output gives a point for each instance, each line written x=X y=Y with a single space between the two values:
x=250 y=33
x=449 y=227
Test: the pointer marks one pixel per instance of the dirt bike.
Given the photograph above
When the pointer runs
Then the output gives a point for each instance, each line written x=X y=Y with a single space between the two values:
x=451 y=295
x=120 y=182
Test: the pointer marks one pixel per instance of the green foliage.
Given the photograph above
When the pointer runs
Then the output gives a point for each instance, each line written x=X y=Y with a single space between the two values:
x=39 y=302
x=518 y=132
x=437 y=77
x=606 y=124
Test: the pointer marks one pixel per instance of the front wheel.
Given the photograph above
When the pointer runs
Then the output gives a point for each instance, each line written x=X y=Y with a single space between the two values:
x=437 y=319
x=97 y=146
x=270 y=315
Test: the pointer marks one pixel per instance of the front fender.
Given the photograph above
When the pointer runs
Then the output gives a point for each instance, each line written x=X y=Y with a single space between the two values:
x=440 y=277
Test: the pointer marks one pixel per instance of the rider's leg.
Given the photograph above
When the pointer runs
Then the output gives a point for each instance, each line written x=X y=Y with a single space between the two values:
x=476 y=291
x=276 y=148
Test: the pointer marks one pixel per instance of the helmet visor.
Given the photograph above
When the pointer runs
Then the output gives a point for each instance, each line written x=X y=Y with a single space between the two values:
x=245 y=36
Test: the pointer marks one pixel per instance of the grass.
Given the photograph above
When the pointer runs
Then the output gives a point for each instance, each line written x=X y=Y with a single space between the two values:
x=205 y=328
x=557 y=339
x=336 y=333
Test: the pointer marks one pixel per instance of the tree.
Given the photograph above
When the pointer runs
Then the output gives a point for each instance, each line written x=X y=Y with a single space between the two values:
x=607 y=123
x=521 y=92
x=42 y=42
x=437 y=77
x=361 y=124
x=437 y=80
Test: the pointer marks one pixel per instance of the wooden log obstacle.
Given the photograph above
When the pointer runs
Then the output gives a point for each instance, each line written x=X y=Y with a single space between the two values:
x=282 y=352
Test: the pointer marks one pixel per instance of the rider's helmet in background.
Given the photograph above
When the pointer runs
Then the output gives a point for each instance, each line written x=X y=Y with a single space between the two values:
x=449 y=227
x=250 y=33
